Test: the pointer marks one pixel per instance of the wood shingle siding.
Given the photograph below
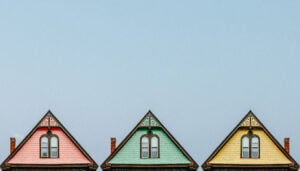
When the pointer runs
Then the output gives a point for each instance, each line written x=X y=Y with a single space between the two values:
x=271 y=155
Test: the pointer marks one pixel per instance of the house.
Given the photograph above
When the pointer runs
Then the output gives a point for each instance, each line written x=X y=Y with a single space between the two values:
x=149 y=147
x=251 y=147
x=49 y=146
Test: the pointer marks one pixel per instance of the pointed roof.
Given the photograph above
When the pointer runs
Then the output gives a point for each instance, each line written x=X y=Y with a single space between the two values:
x=50 y=121
x=250 y=121
x=150 y=121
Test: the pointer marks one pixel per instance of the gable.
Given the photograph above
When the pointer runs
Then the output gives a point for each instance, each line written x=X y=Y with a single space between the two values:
x=250 y=121
x=49 y=121
x=70 y=152
x=270 y=153
x=169 y=152
x=30 y=152
x=230 y=153
x=149 y=121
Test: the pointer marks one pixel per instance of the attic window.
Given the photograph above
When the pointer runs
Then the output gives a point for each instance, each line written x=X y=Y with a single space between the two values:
x=49 y=146
x=250 y=146
x=149 y=146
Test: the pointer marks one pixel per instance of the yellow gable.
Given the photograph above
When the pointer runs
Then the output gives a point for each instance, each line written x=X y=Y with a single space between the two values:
x=230 y=153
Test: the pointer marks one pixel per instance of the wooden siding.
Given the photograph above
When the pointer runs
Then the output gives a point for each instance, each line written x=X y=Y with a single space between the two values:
x=68 y=152
x=169 y=152
x=231 y=152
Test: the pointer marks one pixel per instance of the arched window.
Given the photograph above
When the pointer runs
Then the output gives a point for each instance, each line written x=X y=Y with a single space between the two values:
x=49 y=146
x=145 y=147
x=245 y=147
x=149 y=146
x=250 y=146
x=254 y=147
x=154 y=147
x=54 y=147
x=44 y=146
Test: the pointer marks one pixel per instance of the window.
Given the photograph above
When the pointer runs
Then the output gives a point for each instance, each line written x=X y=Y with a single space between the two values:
x=145 y=147
x=245 y=147
x=254 y=147
x=154 y=147
x=149 y=146
x=250 y=146
x=54 y=147
x=44 y=146
x=49 y=146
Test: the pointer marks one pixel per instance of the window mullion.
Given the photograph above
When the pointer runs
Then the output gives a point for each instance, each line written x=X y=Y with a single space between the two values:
x=49 y=146
x=250 y=147
x=149 y=147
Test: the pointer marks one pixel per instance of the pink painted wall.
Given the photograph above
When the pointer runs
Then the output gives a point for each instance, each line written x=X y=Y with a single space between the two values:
x=68 y=152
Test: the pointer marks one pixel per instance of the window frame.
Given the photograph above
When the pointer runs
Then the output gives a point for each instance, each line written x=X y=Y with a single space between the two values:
x=242 y=146
x=151 y=147
x=42 y=147
x=250 y=136
x=149 y=136
x=141 y=147
x=49 y=136
x=258 y=143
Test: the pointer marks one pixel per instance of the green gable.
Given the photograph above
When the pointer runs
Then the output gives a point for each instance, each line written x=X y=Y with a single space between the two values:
x=130 y=152
x=149 y=121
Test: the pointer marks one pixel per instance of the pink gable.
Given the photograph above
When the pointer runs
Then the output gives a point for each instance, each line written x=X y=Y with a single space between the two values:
x=68 y=151
x=49 y=121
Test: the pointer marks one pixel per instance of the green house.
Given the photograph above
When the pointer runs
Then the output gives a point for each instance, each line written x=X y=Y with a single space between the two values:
x=148 y=147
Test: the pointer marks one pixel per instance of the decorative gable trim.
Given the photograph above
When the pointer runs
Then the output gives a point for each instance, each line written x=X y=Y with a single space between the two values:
x=49 y=121
x=249 y=121
x=149 y=120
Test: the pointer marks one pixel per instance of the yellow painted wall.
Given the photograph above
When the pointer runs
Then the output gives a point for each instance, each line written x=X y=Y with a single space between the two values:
x=231 y=152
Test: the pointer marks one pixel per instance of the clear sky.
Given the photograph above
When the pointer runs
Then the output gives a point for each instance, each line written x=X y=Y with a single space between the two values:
x=200 y=66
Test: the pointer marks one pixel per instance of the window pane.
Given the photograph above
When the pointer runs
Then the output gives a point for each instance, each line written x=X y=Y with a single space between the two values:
x=54 y=147
x=54 y=142
x=254 y=142
x=54 y=152
x=44 y=147
x=154 y=152
x=44 y=142
x=145 y=147
x=245 y=142
x=245 y=147
x=254 y=147
x=145 y=142
x=154 y=147
x=154 y=142
x=245 y=153
x=254 y=153
x=44 y=152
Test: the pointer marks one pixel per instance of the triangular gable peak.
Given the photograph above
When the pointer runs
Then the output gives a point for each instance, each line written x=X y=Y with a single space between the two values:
x=27 y=154
x=151 y=123
x=49 y=121
x=250 y=123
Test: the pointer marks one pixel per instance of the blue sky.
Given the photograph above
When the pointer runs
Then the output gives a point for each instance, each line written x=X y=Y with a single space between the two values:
x=200 y=66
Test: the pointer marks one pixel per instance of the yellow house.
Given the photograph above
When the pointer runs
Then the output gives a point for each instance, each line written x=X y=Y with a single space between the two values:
x=251 y=147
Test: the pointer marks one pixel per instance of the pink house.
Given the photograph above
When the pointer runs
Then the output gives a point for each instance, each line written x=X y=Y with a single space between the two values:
x=49 y=147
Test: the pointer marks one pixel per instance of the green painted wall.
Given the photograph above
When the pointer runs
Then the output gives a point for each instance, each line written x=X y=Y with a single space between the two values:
x=130 y=153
